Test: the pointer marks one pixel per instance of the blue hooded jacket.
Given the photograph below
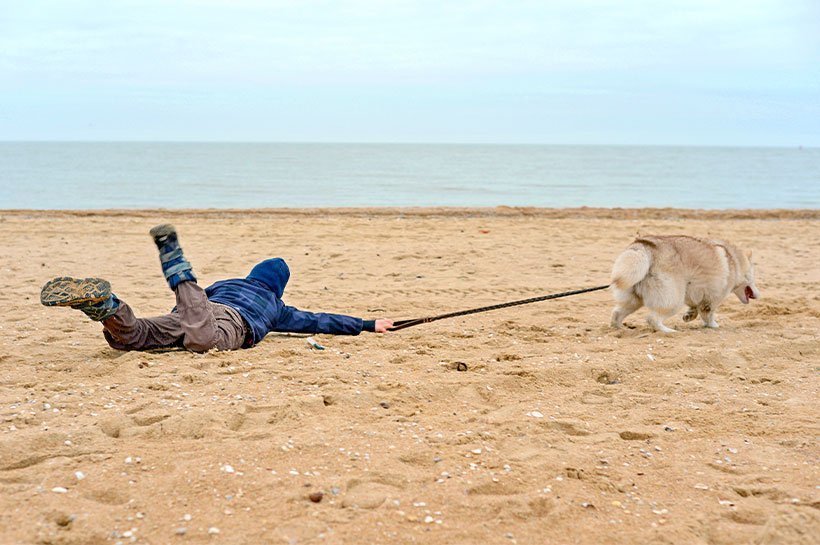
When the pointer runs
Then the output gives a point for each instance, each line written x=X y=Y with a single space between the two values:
x=258 y=299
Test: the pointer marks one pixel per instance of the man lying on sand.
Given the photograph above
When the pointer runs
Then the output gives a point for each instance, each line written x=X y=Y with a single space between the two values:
x=230 y=314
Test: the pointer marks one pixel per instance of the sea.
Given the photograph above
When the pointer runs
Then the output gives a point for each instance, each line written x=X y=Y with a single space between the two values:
x=97 y=175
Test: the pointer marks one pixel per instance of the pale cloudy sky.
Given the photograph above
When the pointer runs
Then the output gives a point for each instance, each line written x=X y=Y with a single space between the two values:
x=692 y=72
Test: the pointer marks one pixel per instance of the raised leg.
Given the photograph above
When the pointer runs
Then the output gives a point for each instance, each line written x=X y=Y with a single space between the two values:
x=202 y=330
x=690 y=314
x=195 y=316
x=175 y=267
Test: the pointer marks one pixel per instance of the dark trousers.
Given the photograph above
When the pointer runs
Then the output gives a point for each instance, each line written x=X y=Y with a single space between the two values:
x=197 y=325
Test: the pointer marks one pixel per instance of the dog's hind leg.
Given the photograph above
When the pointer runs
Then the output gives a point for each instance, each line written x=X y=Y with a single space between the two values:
x=690 y=314
x=656 y=318
x=663 y=296
x=628 y=303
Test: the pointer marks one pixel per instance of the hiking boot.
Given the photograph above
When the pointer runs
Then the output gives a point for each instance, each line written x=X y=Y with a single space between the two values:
x=164 y=234
x=92 y=296
x=175 y=267
x=65 y=291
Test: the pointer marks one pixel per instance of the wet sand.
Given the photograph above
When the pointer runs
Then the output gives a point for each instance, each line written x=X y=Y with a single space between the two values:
x=560 y=430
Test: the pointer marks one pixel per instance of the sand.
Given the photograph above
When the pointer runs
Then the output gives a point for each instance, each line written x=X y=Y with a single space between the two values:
x=560 y=430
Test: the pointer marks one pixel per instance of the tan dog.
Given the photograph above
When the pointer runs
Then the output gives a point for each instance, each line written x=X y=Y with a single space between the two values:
x=664 y=273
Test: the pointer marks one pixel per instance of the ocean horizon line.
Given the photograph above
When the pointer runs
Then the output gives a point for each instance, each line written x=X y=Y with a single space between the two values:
x=414 y=143
x=590 y=212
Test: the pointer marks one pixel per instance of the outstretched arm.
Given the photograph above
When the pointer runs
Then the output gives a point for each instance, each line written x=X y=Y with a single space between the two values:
x=293 y=320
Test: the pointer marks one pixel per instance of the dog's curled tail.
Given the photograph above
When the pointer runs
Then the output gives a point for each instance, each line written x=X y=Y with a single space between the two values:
x=631 y=267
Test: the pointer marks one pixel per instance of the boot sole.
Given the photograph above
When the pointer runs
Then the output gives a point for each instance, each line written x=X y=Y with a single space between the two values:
x=65 y=291
x=161 y=231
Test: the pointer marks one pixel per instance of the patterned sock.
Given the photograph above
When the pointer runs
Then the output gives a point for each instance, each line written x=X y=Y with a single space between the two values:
x=100 y=311
x=175 y=267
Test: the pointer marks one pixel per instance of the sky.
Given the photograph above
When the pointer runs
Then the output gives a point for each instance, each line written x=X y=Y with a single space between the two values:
x=627 y=72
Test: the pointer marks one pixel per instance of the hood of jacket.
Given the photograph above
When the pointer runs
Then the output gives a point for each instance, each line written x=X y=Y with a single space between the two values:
x=273 y=273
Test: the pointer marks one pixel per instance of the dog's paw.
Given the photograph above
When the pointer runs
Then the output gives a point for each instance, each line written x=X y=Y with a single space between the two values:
x=690 y=315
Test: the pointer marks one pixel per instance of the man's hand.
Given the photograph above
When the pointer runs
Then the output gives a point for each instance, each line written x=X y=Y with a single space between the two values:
x=383 y=325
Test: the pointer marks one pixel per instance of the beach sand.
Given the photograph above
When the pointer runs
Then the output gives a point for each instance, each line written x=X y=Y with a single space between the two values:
x=560 y=430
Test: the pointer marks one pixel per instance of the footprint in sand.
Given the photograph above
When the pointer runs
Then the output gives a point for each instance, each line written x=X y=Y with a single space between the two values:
x=636 y=435
x=492 y=488
x=370 y=494
x=107 y=496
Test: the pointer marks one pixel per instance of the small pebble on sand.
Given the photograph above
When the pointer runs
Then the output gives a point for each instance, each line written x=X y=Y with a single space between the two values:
x=213 y=530
x=59 y=490
x=64 y=520
x=316 y=497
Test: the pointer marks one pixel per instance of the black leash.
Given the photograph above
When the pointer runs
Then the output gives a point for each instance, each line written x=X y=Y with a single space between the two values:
x=403 y=324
